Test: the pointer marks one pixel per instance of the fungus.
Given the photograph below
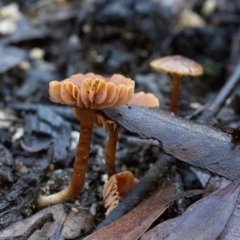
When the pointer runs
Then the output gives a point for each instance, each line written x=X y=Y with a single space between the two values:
x=116 y=188
x=86 y=93
x=177 y=66
x=108 y=125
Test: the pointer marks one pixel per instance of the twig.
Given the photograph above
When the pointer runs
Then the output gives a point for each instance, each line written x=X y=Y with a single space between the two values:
x=213 y=108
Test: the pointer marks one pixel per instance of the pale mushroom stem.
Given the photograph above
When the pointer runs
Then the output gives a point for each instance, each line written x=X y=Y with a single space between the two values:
x=175 y=93
x=111 y=151
x=86 y=117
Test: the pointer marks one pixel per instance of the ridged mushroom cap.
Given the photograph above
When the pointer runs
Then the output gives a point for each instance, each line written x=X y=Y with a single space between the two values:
x=177 y=65
x=140 y=99
x=92 y=91
x=116 y=188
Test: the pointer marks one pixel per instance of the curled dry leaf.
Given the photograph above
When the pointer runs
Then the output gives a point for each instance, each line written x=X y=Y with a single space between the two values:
x=92 y=91
x=116 y=188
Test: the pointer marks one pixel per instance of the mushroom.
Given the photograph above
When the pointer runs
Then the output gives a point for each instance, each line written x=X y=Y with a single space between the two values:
x=86 y=93
x=177 y=66
x=108 y=125
x=116 y=188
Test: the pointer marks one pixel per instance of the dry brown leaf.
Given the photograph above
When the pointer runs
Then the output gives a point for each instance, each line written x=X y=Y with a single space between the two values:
x=135 y=223
x=203 y=220
x=232 y=229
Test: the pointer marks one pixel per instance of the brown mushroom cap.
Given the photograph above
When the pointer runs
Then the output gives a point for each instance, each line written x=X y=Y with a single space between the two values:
x=140 y=99
x=177 y=65
x=92 y=91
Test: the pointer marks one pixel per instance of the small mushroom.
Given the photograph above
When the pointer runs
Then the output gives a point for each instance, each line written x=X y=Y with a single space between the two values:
x=108 y=125
x=116 y=188
x=86 y=93
x=177 y=66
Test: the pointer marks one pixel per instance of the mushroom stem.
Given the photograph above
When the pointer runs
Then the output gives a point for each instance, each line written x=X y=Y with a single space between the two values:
x=175 y=93
x=86 y=117
x=111 y=150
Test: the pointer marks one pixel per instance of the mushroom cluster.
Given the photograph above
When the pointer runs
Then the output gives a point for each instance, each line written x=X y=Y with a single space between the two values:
x=86 y=93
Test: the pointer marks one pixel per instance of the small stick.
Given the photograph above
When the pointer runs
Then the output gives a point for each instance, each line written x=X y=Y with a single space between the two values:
x=213 y=108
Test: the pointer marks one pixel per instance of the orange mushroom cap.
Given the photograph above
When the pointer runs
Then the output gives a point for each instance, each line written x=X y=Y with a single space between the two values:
x=177 y=65
x=116 y=188
x=144 y=99
x=92 y=91
x=140 y=99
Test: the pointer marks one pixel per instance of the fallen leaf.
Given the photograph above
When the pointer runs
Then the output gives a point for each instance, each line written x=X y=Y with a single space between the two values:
x=232 y=229
x=203 y=220
x=200 y=145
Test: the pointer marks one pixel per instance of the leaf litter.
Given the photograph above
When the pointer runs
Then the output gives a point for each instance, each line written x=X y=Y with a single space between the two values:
x=110 y=48
x=132 y=225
